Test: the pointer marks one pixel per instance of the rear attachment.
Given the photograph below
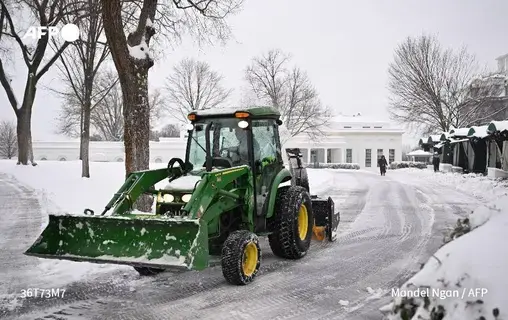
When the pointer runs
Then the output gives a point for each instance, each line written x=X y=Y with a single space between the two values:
x=326 y=220
x=135 y=240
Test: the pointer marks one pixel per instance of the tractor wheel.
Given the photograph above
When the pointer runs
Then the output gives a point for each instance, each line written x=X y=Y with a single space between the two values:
x=241 y=257
x=144 y=271
x=292 y=224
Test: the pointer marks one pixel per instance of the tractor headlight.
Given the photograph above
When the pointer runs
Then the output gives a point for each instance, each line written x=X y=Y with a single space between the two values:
x=168 y=198
x=186 y=197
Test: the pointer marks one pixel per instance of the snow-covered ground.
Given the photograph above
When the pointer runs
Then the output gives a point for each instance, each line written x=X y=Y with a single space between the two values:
x=466 y=279
x=386 y=226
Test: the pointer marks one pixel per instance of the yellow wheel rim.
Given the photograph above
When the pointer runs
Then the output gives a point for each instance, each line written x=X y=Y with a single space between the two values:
x=303 y=222
x=250 y=259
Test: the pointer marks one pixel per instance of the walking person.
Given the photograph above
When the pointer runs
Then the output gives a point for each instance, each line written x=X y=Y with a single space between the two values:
x=435 y=161
x=382 y=165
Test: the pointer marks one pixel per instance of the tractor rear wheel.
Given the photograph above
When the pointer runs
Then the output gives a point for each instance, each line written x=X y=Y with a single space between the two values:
x=145 y=271
x=292 y=223
x=241 y=257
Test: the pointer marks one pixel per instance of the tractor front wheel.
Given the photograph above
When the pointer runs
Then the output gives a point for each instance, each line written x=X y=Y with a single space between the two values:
x=241 y=257
x=293 y=222
x=144 y=271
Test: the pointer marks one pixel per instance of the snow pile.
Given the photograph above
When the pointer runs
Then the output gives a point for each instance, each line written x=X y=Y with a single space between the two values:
x=475 y=184
x=465 y=279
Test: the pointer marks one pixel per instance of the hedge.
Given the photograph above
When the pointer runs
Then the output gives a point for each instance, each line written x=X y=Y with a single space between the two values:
x=408 y=164
x=350 y=166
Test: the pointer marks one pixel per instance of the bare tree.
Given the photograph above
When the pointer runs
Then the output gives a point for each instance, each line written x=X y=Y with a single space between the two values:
x=434 y=89
x=193 y=85
x=132 y=58
x=44 y=13
x=8 y=140
x=106 y=114
x=79 y=68
x=170 y=131
x=288 y=89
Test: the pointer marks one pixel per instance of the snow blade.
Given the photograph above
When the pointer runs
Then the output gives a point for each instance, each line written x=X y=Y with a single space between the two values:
x=136 y=240
x=326 y=220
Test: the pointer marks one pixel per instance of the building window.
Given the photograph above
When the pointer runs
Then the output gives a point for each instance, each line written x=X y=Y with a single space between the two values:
x=366 y=127
x=347 y=127
x=391 y=156
x=379 y=154
x=378 y=127
x=349 y=155
x=368 y=157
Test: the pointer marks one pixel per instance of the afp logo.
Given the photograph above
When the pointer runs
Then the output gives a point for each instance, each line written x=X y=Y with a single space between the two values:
x=69 y=32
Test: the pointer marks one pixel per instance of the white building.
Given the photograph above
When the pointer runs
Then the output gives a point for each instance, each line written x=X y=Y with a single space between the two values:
x=352 y=139
x=347 y=139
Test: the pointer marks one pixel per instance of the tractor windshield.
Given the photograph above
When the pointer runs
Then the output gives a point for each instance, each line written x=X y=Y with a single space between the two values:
x=227 y=143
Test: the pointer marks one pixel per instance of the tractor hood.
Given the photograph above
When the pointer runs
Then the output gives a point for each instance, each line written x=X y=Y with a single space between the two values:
x=184 y=183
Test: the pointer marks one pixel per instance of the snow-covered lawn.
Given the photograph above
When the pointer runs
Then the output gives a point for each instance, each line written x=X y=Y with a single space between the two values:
x=62 y=189
x=467 y=278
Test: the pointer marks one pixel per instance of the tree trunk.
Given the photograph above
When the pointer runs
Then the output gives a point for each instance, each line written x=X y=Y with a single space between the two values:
x=24 y=124
x=133 y=75
x=85 y=124
x=136 y=114
x=81 y=124
x=85 y=142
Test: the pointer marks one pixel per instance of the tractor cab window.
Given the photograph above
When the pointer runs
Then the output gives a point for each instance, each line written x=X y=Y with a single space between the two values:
x=267 y=158
x=265 y=140
x=228 y=143
x=197 y=146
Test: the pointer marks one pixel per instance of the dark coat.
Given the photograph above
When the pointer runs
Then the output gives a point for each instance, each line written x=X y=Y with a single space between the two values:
x=382 y=162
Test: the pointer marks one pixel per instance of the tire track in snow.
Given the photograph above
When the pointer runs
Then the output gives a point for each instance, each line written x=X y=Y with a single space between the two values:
x=20 y=220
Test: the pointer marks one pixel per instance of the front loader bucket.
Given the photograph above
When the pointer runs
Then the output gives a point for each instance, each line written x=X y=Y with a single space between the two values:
x=326 y=220
x=136 y=240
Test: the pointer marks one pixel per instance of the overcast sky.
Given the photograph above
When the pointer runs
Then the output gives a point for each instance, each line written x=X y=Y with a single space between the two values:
x=345 y=46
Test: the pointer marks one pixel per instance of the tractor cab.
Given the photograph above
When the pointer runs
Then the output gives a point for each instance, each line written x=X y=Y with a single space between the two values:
x=233 y=138
x=227 y=138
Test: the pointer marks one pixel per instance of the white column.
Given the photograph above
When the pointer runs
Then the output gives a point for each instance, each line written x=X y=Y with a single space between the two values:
x=309 y=151
x=326 y=155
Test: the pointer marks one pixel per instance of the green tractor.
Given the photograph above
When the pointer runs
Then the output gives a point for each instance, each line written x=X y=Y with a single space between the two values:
x=232 y=188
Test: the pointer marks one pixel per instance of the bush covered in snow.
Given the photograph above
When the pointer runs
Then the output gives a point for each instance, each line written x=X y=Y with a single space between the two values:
x=408 y=164
x=350 y=166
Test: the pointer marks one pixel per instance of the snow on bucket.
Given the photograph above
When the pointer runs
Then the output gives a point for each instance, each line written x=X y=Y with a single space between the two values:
x=132 y=240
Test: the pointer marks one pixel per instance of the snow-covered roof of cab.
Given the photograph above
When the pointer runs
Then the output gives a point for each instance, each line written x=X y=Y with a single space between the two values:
x=254 y=112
